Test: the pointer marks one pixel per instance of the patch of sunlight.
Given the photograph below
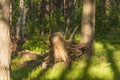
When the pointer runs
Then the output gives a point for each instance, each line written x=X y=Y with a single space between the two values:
x=77 y=38
x=15 y=63
x=55 y=72
x=23 y=60
x=35 y=73
x=99 y=45
x=19 y=62
x=118 y=65
x=37 y=50
x=17 y=58
x=99 y=49
x=109 y=46
x=35 y=46
x=101 y=72
x=14 y=67
x=76 y=70
x=62 y=19
x=116 y=57
x=87 y=9
x=96 y=59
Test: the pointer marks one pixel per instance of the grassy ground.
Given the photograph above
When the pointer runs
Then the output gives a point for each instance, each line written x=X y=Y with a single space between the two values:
x=103 y=65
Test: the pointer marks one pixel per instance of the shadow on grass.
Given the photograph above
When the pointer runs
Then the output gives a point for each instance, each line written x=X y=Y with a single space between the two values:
x=75 y=71
x=111 y=44
x=64 y=72
x=82 y=73
x=85 y=73
x=72 y=72
x=28 y=67
x=111 y=60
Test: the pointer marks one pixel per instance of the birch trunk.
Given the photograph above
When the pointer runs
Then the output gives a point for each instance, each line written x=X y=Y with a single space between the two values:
x=5 y=49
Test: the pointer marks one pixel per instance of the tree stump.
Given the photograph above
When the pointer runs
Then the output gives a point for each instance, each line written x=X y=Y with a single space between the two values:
x=60 y=52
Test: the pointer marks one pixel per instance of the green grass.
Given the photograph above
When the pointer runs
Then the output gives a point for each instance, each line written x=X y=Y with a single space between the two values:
x=103 y=65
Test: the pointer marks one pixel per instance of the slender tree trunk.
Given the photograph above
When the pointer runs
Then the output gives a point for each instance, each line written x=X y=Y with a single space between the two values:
x=5 y=49
x=88 y=25
x=67 y=15
x=19 y=20
x=74 y=9
x=42 y=16
x=107 y=5
x=20 y=25
x=50 y=10
x=52 y=15
x=23 y=21
x=107 y=13
x=11 y=28
x=10 y=13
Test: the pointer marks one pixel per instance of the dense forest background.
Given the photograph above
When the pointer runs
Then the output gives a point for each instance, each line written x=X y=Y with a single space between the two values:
x=35 y=51
x=40 y=18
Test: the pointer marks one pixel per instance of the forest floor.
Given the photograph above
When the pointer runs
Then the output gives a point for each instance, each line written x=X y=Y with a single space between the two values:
x=103 y=65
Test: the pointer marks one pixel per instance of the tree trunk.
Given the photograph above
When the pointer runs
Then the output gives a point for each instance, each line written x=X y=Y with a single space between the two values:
x=67 y=15
x=107 y=5
x=88 y=25
x=42 y=16
x=21 y=21
x=59 y=49
x=62 y=49
x=5 y=47
x=20 y=26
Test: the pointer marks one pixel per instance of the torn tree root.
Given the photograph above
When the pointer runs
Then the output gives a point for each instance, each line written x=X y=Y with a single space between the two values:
x=60 y=52
x=78 y=49
x=61 y=48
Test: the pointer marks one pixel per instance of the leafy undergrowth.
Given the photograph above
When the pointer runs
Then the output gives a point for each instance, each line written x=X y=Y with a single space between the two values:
x=103 y=65
x=36 y=45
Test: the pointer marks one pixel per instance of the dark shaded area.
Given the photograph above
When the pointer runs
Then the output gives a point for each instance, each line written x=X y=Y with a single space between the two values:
x=111 y=60
x=29 y=66
x=85 y=75
x=33 y=64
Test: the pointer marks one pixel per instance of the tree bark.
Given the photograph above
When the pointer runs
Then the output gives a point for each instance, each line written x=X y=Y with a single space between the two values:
x=5 y=46
x=107 y=5
x=59 y=49
x=42 y=16
x=62 y=49
x=21 y=21
x=19 y=37
x=88 y=25
x=67 y=15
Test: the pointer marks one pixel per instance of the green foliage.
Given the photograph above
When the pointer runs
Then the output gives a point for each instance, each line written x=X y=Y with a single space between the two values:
x=104 y=64
x=107 y=23
x=35 y=45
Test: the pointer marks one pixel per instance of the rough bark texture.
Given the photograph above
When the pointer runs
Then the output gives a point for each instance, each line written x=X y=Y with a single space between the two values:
x=42 y=15
x=107 y=5
x=5 y=49
x=63 y=48
x=19 y=38
x=60 y=52
x=88 y=25
x=67 y=15
x=20 y=24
